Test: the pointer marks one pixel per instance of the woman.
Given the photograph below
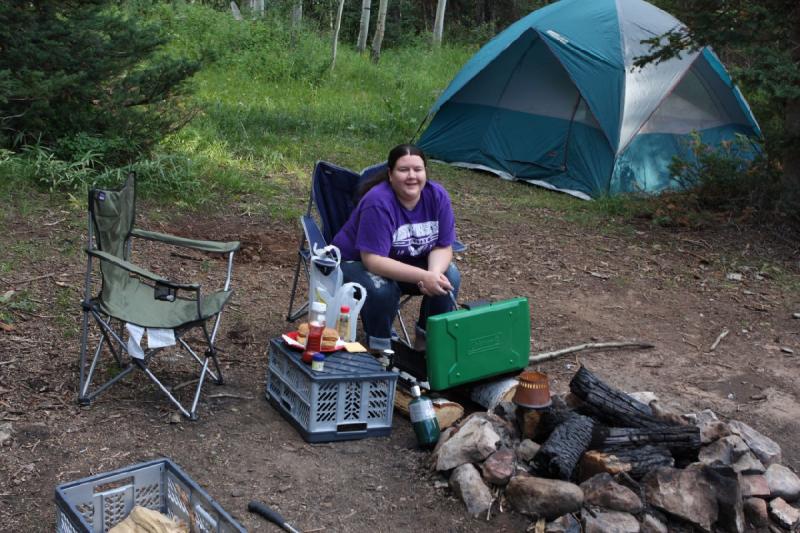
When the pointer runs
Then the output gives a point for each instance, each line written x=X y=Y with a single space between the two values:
x=398 y=240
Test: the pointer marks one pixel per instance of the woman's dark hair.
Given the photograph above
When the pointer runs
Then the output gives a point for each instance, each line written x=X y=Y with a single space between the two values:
x=394 y=154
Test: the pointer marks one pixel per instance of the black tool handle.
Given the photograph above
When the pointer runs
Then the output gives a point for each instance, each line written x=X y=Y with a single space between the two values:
x=270 y=514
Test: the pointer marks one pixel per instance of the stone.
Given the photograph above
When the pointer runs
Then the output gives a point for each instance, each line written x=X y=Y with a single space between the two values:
x=685 y=493
x=651 y=524
x=601 y=490
x=526 y=449
x=783 y=482
x=474 y=441
x=611 y=522
x=499 y=467
x=6 y=432
x=507 y=431
x=756 y=512
x=711 y=427
x=466 y=482
x=724 y=451
x=749 y=464
x=725 y=484
x=783 y=513
x=563 y=524
x=766 y=449
x=645 y=397
x=547 y=498
x=755 y=485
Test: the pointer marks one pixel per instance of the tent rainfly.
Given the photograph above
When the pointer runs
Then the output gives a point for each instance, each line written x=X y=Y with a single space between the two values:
x=554 y=100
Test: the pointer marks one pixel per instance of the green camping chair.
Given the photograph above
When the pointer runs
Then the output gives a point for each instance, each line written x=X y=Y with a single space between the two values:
x=133 y=300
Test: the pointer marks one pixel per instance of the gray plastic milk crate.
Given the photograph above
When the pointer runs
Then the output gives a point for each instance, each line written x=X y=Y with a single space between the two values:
x=98 y=503
x=351 y=398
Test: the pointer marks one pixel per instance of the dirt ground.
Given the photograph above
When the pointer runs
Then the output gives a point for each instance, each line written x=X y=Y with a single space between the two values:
x=676 y=288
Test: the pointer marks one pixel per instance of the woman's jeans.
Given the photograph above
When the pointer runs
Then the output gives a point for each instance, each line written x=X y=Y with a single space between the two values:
x=383 y=301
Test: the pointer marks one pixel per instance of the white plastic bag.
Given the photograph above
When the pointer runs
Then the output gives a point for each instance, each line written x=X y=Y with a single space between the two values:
x=325 y=279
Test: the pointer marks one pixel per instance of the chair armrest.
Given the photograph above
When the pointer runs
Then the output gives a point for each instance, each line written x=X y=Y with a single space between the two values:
x=314 y=236
x=130 y=267
x=205 y=246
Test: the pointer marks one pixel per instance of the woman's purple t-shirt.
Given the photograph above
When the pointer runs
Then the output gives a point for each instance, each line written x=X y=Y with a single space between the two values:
x=382 y=226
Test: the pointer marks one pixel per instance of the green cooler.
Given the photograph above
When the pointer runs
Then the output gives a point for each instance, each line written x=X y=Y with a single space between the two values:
x=469 y=345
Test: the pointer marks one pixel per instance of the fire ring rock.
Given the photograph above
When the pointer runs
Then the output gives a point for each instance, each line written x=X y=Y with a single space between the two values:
x=546 y=498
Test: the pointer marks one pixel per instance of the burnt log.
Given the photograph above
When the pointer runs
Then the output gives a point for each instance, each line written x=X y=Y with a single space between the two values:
x=635 y=462
x=680 y=440
x=609 y=405
x=560 y=453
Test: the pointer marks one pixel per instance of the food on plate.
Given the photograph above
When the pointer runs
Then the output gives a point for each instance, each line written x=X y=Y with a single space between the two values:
x=329 y=336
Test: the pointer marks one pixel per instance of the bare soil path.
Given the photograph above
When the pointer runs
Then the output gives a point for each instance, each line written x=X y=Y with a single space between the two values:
x=679 y=289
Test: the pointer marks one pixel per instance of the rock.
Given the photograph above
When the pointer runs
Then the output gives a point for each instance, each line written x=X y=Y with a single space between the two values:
x=548 y=498
x=6 y=432
x=685 y=493
x=474 y=441
x=563 y=524
x=526 y=450
x=499 y=467
x=766 y=449
x=755 y=486
x=466 y=482
x=724 y=451
x=611 y=522
x=783 y=513
x=507 y=431
x=444 y=436
x=783 y=482
x=749 y=464
x=507 y=411
x=603 y=491
x=651 y=524
x=755 y=509
x=725 y=484
x=646 y=397
x=711 y=427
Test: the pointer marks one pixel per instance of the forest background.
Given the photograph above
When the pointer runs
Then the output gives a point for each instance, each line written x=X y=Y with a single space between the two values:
x=208 y=100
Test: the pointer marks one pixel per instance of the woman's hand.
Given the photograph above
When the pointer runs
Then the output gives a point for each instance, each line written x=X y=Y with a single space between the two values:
x=434 y=284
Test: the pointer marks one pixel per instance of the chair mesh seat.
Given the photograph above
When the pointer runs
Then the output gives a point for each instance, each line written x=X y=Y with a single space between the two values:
x=139 y=307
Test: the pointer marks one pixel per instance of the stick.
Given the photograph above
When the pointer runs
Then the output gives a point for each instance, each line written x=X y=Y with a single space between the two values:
x=546 y=356
x=719 y=338
x=229 y=395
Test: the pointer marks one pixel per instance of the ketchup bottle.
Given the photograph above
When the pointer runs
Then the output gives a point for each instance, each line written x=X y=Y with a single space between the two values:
x=316 y=325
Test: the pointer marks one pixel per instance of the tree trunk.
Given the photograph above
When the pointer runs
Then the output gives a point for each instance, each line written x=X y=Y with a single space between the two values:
x=235 y=11
x=336 y=27
x=363 y=29
x=380 y=27
x=438 y=24
x=297 y=14
x=791 y=149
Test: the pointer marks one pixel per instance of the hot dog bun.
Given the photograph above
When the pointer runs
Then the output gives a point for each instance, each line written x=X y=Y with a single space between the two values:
x=329 y=336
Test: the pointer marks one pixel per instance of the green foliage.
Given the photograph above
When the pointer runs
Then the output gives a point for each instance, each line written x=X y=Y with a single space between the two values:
x=732 y=176
x=86 y=68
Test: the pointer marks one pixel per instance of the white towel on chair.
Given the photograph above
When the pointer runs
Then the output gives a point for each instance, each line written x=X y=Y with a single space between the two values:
x=156 y=338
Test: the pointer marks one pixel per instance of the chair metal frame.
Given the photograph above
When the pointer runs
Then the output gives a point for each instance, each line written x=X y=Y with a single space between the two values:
x=112 y=337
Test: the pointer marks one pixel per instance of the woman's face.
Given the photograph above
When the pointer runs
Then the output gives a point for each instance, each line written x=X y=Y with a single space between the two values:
x=408 y=178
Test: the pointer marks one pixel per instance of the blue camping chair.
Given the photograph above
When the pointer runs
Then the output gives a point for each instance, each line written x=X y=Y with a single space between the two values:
x=332 y=199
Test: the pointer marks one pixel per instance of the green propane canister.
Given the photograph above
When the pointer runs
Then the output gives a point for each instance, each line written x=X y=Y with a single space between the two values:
x=423 y=419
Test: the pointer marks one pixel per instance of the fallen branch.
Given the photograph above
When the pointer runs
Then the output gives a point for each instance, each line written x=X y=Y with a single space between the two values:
x=546 y=356
x=229 y=395
x=719 y=339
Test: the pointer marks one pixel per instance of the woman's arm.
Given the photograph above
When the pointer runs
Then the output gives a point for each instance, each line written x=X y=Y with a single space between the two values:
x=439 y=259
x=429 y=282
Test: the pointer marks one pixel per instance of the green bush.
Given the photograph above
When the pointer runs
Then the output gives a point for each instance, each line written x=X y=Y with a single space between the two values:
x=71 y=69
x=734 y=175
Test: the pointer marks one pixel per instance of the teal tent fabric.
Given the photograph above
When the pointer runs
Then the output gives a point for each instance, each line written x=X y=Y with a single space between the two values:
x=556 y=101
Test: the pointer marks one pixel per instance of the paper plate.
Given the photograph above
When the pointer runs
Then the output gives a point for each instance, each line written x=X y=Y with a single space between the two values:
x=291 y=340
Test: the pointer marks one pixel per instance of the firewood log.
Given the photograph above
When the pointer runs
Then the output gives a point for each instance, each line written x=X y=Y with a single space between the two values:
x=609 y=405
x=636 y=462
x=447 y=412
x=561 y=452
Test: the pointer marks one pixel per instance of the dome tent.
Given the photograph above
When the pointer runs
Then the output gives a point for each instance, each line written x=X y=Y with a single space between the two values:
x=555 y=100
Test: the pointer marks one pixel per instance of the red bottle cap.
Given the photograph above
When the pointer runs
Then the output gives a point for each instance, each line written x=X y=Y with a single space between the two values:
x=345 y=309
